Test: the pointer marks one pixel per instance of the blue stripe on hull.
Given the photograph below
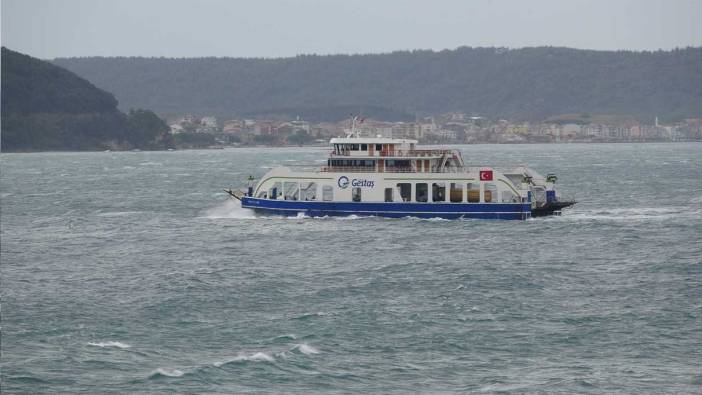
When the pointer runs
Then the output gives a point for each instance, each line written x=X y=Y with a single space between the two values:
x=391 y=210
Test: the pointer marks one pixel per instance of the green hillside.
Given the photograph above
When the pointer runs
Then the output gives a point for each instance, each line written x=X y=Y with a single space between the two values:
x=45 y=107
x=528 y=83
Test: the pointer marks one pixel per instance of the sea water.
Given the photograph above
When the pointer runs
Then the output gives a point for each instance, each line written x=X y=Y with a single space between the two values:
x=134 y=272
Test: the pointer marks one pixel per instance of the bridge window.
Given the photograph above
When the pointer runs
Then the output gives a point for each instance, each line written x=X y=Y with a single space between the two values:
x=422 y=192
x=291 y=191
x=405 y=191
x=309 y=190
x=364 y=147
x=438 y=192
x=327 y=193
x=456 y=194
x=356 y=194
x=473 y=192
x=490 y=193
x=388 y=195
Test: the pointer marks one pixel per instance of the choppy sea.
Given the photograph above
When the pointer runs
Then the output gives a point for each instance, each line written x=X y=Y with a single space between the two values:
x=132 y=272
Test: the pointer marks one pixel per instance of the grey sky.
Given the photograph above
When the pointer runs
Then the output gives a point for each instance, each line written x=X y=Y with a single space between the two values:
x=275 y=28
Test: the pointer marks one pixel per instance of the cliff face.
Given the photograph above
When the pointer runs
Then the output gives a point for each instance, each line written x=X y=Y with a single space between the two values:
x=45 y=107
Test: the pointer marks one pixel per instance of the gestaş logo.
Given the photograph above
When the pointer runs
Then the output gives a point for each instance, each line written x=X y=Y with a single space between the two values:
x=343 y=182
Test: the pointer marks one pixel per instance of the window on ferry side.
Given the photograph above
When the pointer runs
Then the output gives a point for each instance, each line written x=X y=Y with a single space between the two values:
x=473 y=192
x=422 y=192
x=456 y=193
x=364 y=147
x=308 y=190
x=490 y=193
x=405 y=191
x=378 y=147
x=509 y=197
x=276 y=190
x=328 y=193
x=292 y=191
x=438 y=192
x=356 y=194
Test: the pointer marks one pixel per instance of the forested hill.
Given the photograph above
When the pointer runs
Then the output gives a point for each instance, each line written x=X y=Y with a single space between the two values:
x=45 y=107
x=528 y=83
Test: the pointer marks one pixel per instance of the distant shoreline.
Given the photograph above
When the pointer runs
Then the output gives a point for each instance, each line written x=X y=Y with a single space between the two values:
x=326 y=146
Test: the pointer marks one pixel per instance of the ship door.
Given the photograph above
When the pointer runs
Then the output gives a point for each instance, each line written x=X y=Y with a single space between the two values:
x=388 y=195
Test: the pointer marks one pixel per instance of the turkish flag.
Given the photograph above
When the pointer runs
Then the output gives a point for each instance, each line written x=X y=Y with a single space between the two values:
x=486 y=175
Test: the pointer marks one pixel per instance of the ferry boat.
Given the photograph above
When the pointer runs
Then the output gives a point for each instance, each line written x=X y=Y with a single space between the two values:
x=393 y=177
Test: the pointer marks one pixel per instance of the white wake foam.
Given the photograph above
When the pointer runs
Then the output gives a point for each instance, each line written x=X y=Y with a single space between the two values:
x=110 y=344
x=628 y=214
x=229 y=210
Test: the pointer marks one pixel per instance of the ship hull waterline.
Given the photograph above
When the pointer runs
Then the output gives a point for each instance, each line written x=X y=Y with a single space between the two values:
x=501 y=211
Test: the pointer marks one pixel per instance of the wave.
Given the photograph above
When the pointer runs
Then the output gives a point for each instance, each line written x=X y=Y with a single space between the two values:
x=110 y=344
x=629 y=214
x=161 y=372
x=306 y=316
x=256 y=357
x=348 y=217
x=27 y=379
x=117 y=213
x=287 y=336
x=229 y=210
x=433 y=219
x=306 y=349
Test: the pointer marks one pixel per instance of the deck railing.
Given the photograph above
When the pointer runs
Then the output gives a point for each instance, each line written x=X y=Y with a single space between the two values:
x=415 y=153
x=361 y=169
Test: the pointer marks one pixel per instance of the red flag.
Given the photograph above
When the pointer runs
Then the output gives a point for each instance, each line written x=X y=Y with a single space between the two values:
x=486 y=175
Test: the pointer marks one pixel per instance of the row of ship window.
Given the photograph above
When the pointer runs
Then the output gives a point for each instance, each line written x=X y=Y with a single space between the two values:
x=308 y=191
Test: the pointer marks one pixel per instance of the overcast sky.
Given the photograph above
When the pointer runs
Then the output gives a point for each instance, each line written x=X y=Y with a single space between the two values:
x=277 y=28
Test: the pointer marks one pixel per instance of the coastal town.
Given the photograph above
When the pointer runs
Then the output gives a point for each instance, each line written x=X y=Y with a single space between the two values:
x=190 y=131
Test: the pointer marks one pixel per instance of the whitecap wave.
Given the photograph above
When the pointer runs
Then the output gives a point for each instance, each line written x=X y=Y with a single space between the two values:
x=305 y=316
x=109 y=344
x=256 y=357
x=287 y=336
x=306 y=349
x=166 y=372
x=229 y=210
